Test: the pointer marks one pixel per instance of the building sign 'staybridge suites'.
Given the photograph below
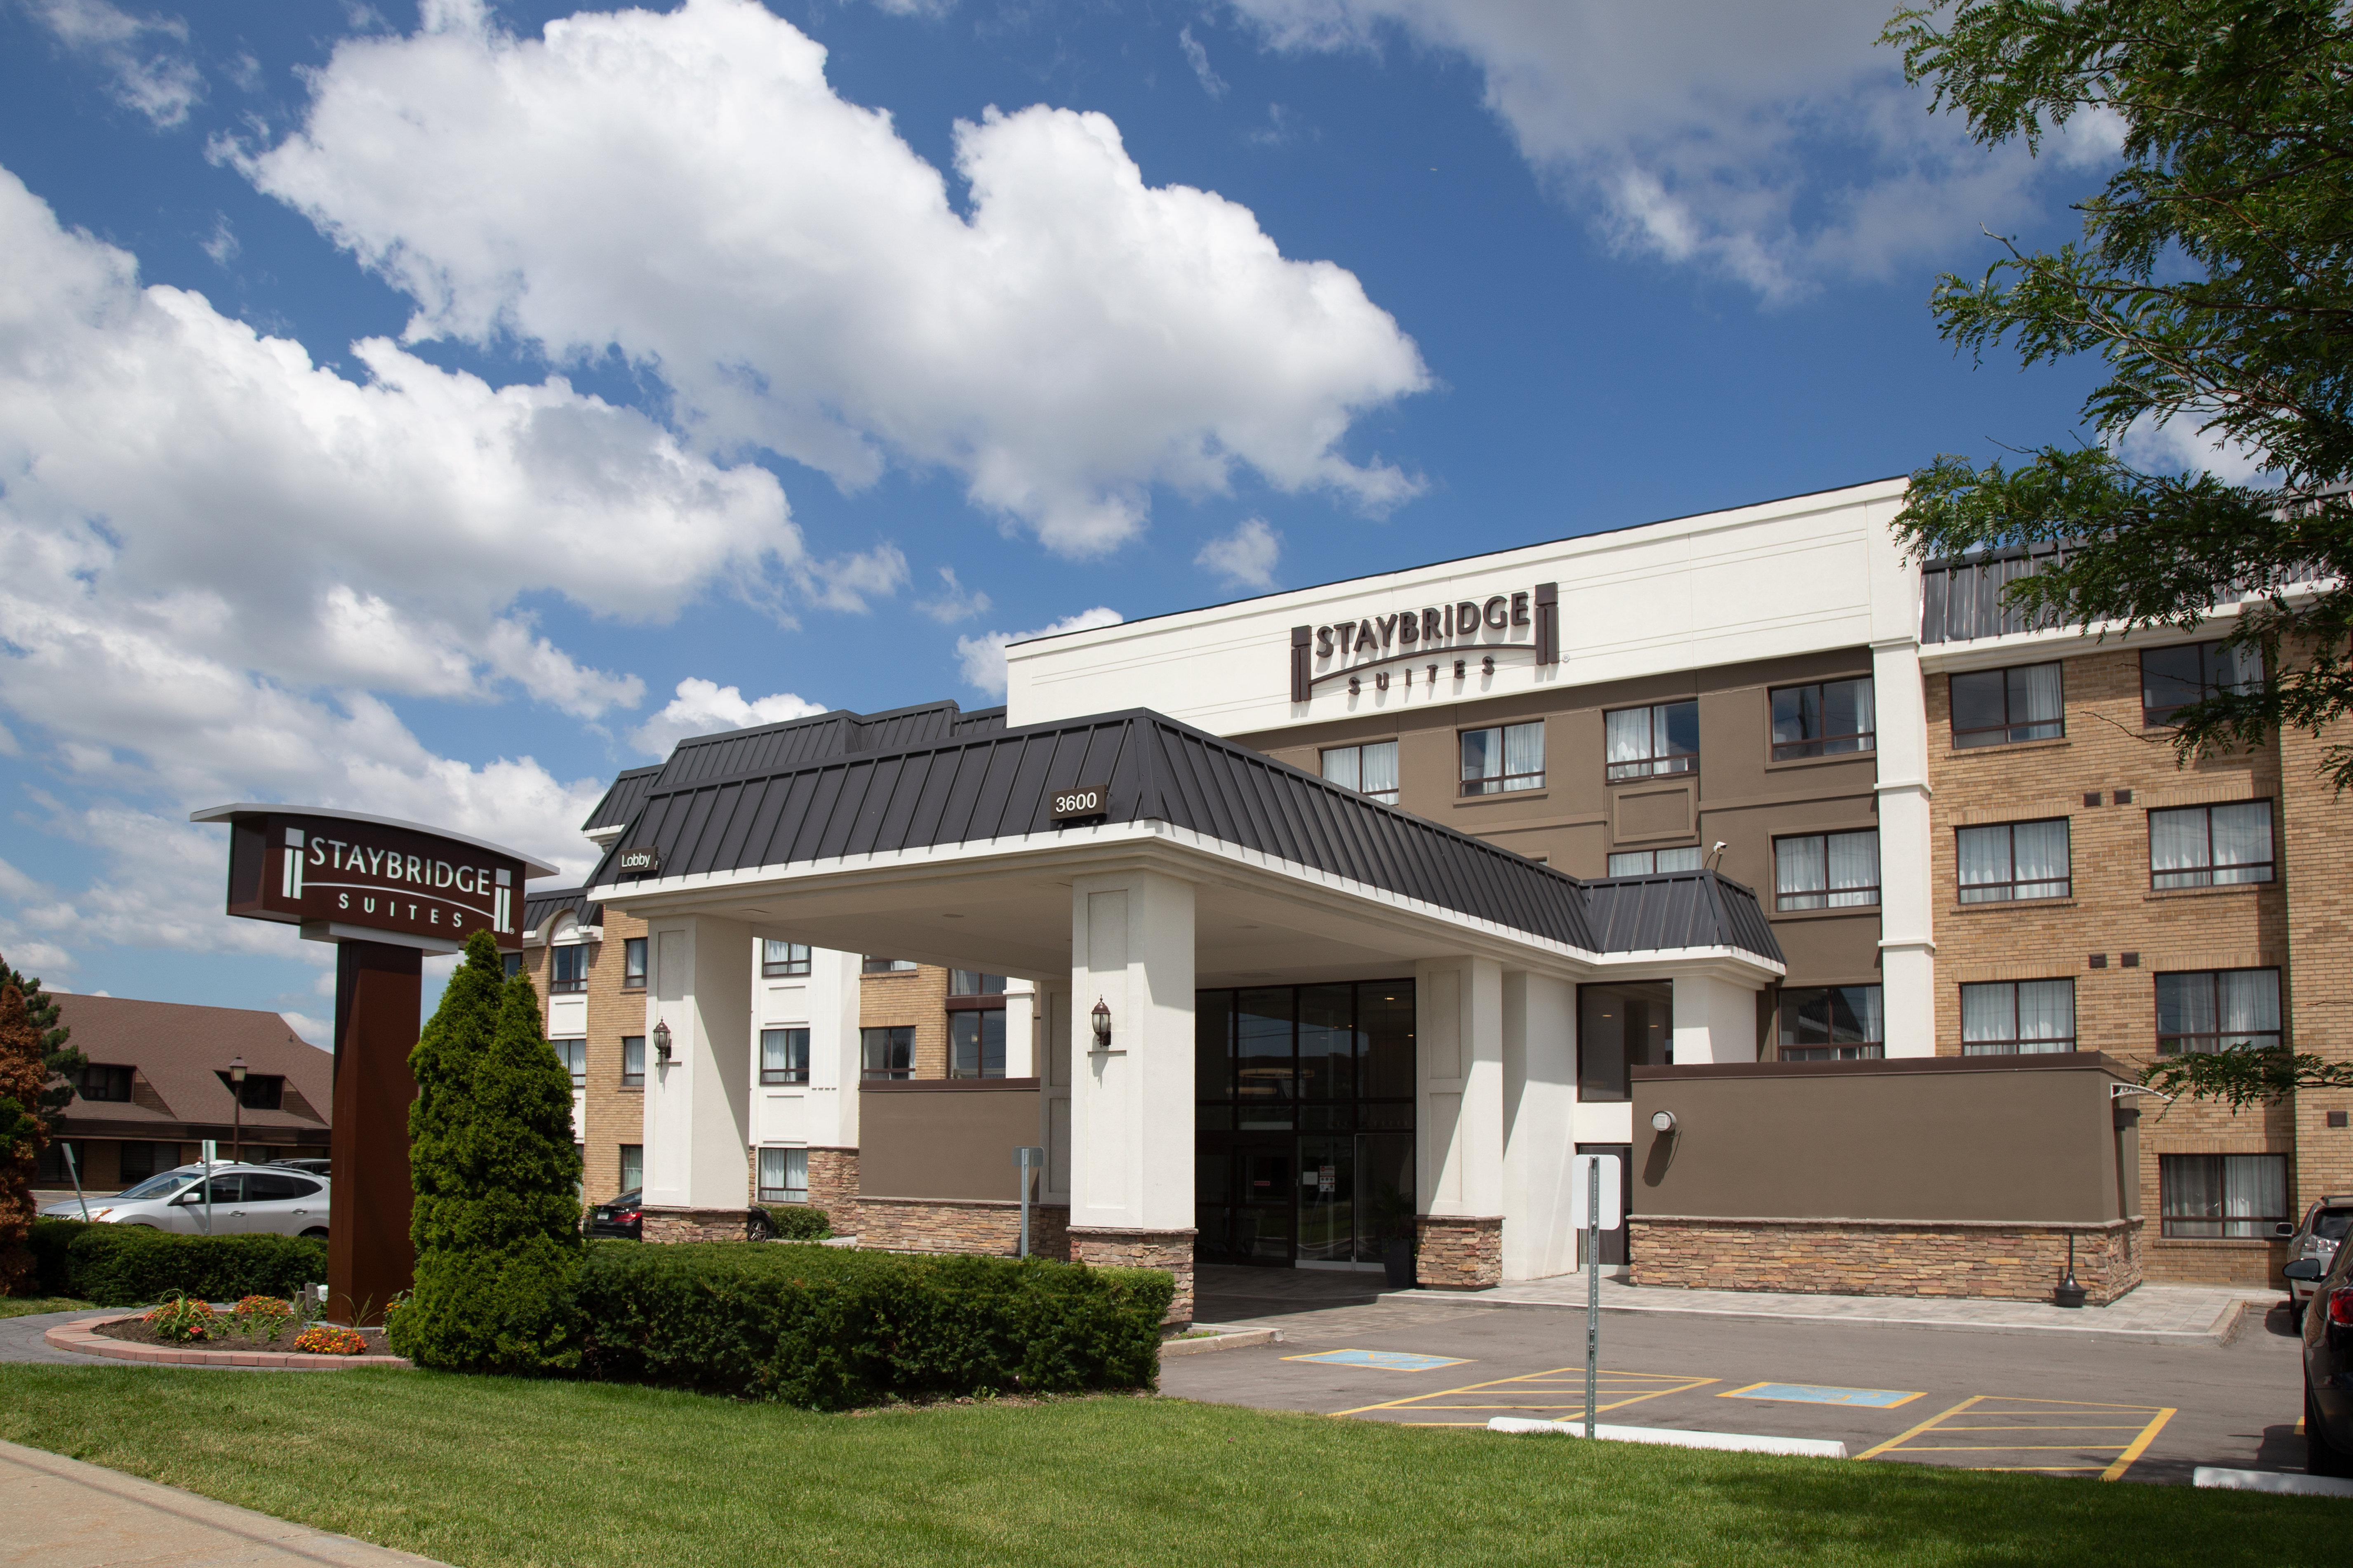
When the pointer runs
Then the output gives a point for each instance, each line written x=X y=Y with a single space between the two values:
x=337 y=871
x=1437 y=635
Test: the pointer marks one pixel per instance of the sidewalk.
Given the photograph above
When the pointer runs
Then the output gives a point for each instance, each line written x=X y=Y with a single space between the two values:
x=2164 y=1313
x=67 y=1514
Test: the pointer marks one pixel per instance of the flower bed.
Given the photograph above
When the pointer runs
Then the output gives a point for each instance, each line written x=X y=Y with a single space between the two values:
x=137 y=1331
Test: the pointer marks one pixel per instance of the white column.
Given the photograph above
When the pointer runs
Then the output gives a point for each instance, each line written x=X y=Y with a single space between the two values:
x=698 y=1109
x=1539 y=1113
x=1907 y=941
x=1020 y=1028
x=1052 y=1029
x=1132 y=1105
x=835 y=1066
x=1459 y=1019
x=1715 y=1020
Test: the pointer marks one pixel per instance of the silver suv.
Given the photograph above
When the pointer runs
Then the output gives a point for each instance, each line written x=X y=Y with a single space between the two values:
x=244 y=1200
x=2312 y=1247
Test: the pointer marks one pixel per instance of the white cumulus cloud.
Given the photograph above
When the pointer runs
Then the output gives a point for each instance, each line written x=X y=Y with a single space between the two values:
x=144 y=58
x=687 y=190
x=1246 y=557
x=983 y=657
x=706 y=707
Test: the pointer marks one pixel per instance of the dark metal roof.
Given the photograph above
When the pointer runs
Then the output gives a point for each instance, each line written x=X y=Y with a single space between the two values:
x=768 y=749
x=622 y=801
x=1678 y=909
x=995 y=785
x=539 y=905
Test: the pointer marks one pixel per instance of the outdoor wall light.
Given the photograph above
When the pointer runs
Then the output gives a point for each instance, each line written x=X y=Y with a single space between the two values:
x=661 y=1044
x=1101 y=1016
x=1663 y=1121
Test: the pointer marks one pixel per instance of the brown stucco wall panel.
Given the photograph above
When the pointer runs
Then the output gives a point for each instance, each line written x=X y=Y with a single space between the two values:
x=952 y=1139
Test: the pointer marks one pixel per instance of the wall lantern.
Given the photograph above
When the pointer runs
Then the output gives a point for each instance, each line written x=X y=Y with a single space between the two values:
x=661 y=1044
x=1101 y=1016
x=1663 y=1121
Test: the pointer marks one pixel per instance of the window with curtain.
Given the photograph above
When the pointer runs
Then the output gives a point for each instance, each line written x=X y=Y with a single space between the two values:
x=1369 y=770
x=2173 y=678
x=1829 y=718
x=633 y=964
x=1994 y=707
x=972 y=982
x=2222 y=1010
x=783 y=1175
x=1826 y=871
x=2225 y=1195
x=1509 y=757
x=874 y=966
x=573 y=1053
x=2010 y=860
x=633 y=1060
x=888 y=1053
x=2011 y=1018
x=1650 y=862
x=784 y=1056
x=778 y=960
x=2211 y=846
x=568 y=968
x=1646 y=743
x=633 y=1167
x=1831 y=1024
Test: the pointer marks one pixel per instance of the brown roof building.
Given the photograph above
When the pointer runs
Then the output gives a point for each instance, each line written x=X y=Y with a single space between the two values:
x=158 y=1085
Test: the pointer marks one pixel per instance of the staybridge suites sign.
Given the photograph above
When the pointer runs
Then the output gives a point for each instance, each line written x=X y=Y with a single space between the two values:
x=337 y=875
x=1444 y=639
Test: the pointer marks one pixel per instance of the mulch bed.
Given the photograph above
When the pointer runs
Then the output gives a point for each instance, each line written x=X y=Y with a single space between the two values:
x=225 y=1338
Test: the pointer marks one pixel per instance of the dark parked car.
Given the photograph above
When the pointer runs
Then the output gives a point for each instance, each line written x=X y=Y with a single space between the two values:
x=625 y=1217
x=2328 y=1363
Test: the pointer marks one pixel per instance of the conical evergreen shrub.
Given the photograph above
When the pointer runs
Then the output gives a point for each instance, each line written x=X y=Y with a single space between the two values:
x=497 y=1216
x=22 y=1075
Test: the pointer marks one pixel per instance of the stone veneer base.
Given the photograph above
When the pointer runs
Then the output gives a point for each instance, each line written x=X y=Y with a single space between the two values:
x=666 y=1225
x=1106 y=1247
x=1458 y=1251
x=1972 y=1259
x=833 y=1187
x=991 y=1226
x=83 y=1338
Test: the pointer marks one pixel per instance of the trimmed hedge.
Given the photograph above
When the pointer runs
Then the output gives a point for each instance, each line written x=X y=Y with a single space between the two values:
x=131 y=1266
x=799 y=1222
x=830 y=1329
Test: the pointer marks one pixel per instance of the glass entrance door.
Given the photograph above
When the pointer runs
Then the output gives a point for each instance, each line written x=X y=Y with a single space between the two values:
x=1327 y=1200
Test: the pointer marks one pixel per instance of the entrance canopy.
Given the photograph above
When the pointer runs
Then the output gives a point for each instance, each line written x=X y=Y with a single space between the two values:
x=950 y=851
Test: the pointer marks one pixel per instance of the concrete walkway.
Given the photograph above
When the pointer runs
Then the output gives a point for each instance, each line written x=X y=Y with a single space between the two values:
x=2171 y=1313
x=63 y=1513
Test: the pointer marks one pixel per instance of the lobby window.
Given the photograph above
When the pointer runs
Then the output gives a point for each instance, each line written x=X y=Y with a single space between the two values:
x=778 y=960
x=633 y=1060
x=1369 y=770
x=1650 y=862
x=633 y=964
x=2223 y=1010
x=1826 y=871
x=888 y=1053
x=783 y=1175
x=2010 y=860
x=1828 y=719
x=573 y=1053
x=1506 y=757
x=1622 y=1026
x=874 y=966
x=103 y=1083
x=1646 y=743
x=784 y=1056
x=2225 y=1195
x=633 y=1167
x=2011 y=1018
x=2173 y=678
x=1831 y=1024
x=1995 y=708
x=568 y=968
x=2211 y=846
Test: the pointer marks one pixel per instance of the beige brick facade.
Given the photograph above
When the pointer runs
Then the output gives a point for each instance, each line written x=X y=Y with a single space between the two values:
x=918 y=997
x=612 y=1113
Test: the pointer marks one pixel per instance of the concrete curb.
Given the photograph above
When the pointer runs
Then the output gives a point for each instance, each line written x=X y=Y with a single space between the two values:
x=2221 y=1331
x=2285 y=1484
x=1667 y=1437
x=1223 y=1340
x=82 y=1338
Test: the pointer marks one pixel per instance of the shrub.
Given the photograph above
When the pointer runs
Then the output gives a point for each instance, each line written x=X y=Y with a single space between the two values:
x=799 y=1222
x=830 y=1328
x=129 y=1265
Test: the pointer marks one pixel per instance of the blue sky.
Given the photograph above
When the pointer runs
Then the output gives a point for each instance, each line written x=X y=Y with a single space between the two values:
x=407 y=410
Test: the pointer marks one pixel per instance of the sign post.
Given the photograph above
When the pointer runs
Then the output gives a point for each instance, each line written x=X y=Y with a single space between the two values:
x=208 y=1152
x=1604 y=1211
x=385 y=892
x=1027 y=1160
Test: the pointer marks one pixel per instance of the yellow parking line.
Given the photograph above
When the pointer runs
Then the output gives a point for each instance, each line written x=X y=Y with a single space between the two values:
x=2140 y=1445
x=2055 y=1419
x=1915 y=1431
x=1626 y=1384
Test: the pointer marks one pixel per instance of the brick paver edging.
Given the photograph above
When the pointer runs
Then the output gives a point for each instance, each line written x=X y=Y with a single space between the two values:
x=81 y=1336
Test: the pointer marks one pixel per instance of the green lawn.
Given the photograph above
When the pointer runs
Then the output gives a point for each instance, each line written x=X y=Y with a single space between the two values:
x=26 y=1306
x=481 y=1471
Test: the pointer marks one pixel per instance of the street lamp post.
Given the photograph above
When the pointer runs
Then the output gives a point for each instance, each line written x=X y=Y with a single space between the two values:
x=236 y=1109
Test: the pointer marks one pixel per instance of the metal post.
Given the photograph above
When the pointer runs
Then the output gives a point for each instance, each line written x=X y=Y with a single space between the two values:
x=74 y=1170
x=1028 y=1161
x=1592 y=1287
x=208 y=1185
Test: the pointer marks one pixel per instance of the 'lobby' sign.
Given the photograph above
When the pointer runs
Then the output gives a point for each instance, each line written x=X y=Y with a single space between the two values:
x=339 y=876
x=639 y=861
x=1468 y=626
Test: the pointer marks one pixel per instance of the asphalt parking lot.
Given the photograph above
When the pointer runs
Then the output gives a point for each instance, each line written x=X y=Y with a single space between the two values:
x=2084 y=1406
